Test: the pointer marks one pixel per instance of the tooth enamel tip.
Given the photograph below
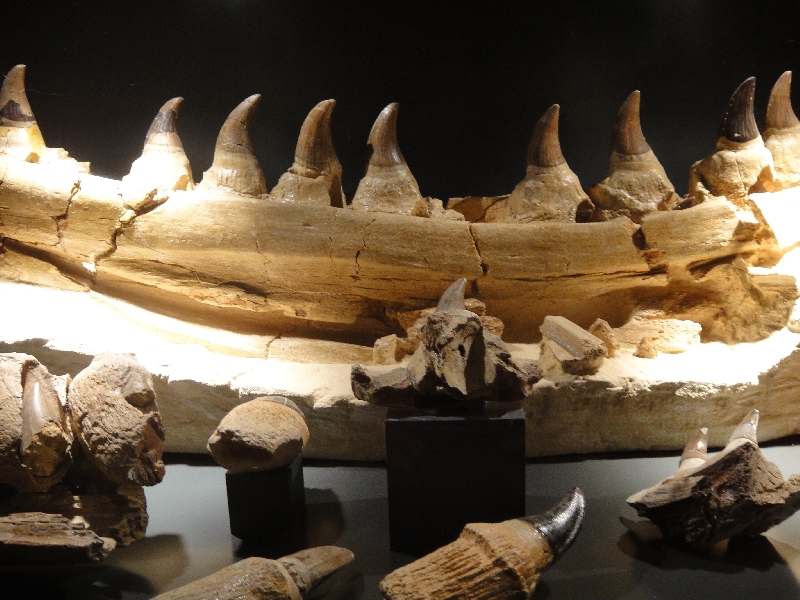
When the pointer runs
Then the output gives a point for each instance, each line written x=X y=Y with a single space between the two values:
x=453 y=297
x=310 y=567
x=383 y=139
x=14 y=108
x=315 y=145
x=166 y=121
x=738 y=123
x=627 y=137
x=697 y=446
x=234 y=134
x=747 y=428
x=561 y=524
x=544 y=149
x=780 y=114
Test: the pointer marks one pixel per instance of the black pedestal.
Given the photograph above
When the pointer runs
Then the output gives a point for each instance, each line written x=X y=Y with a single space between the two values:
x=266 y=505
x=445 y=472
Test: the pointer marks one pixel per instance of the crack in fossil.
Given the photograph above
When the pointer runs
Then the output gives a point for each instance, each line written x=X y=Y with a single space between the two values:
x=61 y=220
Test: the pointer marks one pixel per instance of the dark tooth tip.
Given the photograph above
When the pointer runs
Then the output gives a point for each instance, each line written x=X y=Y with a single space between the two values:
x=561 y=524
x=628 y=137
x=544 y=149
x=779 y=109
x=453 y=297
x=738 y=123
x=166 y=121
x=14 y=108
x=383 y=139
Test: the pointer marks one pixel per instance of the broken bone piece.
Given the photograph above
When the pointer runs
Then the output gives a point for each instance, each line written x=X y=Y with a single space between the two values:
x=388 y=185
x=116 y=419
x=235 y=168
x=637 y=183
x=782 y=136
x=604 y=332
x=316 y=175
x=163 y=164
x=550 y=190
x=491 y=560
x=263 y=434
x=20 y=136
x=288 y=578
x=568 y=348
x=736 y=492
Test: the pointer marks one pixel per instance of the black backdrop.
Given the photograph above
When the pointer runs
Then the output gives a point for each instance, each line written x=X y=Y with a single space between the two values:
x=471 y=81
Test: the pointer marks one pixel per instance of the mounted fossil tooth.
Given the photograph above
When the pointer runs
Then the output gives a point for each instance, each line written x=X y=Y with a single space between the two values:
x=20 y=136
x=453 y=297
x=388 y=185
x=550 y=190
x=255 y=578
x=782 y=136
x=491 y=560
x=745 y=431
x=695 y=453
x=235 y=167
x=316 y=175
x=637 y=183
x=741 y=163
x=163 y=164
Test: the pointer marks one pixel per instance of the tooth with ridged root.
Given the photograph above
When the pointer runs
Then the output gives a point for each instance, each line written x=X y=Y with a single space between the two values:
x=550 y=190
x=741 y=164
x=388 y=185
x=637 y=183
x=20 y=136
x=235 y=167
x=316 y=175
x=782 y=136
x=163 y=164
x=491 y=560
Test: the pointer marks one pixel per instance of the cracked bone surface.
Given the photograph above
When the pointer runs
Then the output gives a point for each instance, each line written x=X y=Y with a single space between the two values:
x=782 y=136
x=288 y=578
x=637 y=183
x=550 y=190
x=491 y=560
x=736 y=492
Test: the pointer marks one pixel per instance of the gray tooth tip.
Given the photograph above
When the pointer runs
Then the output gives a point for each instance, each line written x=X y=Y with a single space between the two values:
x=453 y=297
x=166 y=121
x=738 y=123
x=561 y=524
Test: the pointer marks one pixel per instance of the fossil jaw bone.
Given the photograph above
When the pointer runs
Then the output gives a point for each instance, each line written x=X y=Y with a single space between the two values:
x=316 y=175
x=550 y=190
x=235 y=167
x=388 y=185
x=491 y=560
x=20 y=136
x=637 y=183
x=163 y=164
x=782 y=136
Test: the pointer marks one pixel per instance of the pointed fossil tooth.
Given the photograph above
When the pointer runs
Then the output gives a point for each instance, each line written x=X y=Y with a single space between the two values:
x=453 y=297
x=316 y=175
x=628 y=137
x=544 y=149
x=19 y=134
x=310 y=567
x=782 y=136
x=780 y=114
x=746 y=430
x=695 y=452
x=163 y=163
x=45 y=438
x=235 y=167
x=738 y=122
x=491 y=560
x=388 y=185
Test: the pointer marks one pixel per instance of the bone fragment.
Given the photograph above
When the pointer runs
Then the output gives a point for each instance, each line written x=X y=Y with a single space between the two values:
x=668 y=335
x=46 y=438
x=568 y=348
x=263 y=434
x=316 y=175
x=388 y=185
x=782 y=136
x=491 y=560
x=235 y=168
x=637 y=183
x=604 y=332
x=20 y=136
x=646 y=348
x=550 y=190
x=255 y=578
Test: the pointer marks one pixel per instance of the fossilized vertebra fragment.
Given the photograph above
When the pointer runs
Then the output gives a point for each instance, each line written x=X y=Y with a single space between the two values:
x=19 y=134
x=741 y=163
x=235 y=167
x=782 y=136
x=388 y=185
x=550 y=190
x=316 y=175
x=491 y=560
x=637 y=183
x=163 y=164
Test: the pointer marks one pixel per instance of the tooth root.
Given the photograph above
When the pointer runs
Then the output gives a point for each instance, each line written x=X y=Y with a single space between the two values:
x=561 y=524
x=45 y=442
x=308 y=568
x=628 y=137
x=746 y=430
x=235 y=167
x=545 y=149
x=780 y=114
x=453 y=297
x=695 y=453
x=738 y=123
x=19 y=134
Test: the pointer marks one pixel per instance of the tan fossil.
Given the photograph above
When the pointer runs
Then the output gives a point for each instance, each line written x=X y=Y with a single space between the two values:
x=782 y=136
x=20 y=136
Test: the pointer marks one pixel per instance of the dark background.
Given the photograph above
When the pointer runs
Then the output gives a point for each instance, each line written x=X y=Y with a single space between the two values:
x=471 y=81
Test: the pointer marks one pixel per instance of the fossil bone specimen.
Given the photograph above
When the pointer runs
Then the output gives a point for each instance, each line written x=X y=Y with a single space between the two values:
x=491 y=560
x=737 y=492
x=20 y=136
x=782 y=136
x=265 y=433
x=288 y=578
x=567 y=348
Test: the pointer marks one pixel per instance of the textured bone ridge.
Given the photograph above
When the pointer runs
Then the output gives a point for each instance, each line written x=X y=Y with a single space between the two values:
x=568 y=348
x=491 y=560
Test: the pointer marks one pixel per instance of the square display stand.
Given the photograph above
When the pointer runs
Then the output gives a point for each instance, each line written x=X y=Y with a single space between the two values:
x=446 y=471
x=265 y=506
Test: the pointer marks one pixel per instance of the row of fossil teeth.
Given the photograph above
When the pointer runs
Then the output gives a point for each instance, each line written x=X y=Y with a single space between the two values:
x=636 y=185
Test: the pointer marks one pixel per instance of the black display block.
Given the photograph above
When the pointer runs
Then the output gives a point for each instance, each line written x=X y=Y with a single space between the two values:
x=444 y=472
x=266 y=505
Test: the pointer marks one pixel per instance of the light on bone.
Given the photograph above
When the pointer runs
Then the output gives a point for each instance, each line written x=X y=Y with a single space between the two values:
x=782 y=136
x=20 y=136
